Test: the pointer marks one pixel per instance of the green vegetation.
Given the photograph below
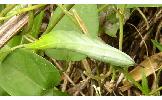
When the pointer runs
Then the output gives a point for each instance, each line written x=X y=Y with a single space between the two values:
x=80 y=49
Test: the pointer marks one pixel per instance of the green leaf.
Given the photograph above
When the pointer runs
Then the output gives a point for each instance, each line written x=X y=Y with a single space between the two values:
x=62 y=54
x=3 y=93
x=112 y=23
x=2 y=6
x=111 y=29
x=88 y=13
x=16 y=40
x=157 y=44
x=14 y=10
x=37 y=24
x=4 y=52
x=25 y=73
x=77 y=42
x=56 y=16
x=55 y=92
x=5 y=9
x=145 y=87
x=30 y=25
x=121 y=6
x=7 y=48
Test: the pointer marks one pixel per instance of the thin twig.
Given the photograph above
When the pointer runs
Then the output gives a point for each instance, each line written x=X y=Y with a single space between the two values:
x=144 y=17
x=69 y=79
x=83 y=85
x=65 y=80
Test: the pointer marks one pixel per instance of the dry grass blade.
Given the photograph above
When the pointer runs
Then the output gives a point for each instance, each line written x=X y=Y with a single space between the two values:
x=154 y=61
x=11 y=27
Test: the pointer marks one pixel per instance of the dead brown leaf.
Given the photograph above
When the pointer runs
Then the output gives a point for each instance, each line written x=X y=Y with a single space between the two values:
x=149 y=65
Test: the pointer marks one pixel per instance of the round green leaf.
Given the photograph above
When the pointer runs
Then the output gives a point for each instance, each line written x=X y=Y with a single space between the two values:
x=26 y=73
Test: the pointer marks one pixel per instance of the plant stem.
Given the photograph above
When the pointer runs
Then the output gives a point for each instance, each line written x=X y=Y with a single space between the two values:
x=22 y=11
x=29 y=38
x=65 y=11
x=71 y=16
x=160 y=88
x=113 y=74
x=80 y=22
x=16 y=47
x=121 y=20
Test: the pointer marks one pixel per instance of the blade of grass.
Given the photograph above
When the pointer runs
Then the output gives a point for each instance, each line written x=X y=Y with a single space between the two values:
x=6 y=10
x=37 y=24
x=132 y=80
x=153 y=92
x=20 y=11
x=157 y=44
x=30 y=22
x=145 y=87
